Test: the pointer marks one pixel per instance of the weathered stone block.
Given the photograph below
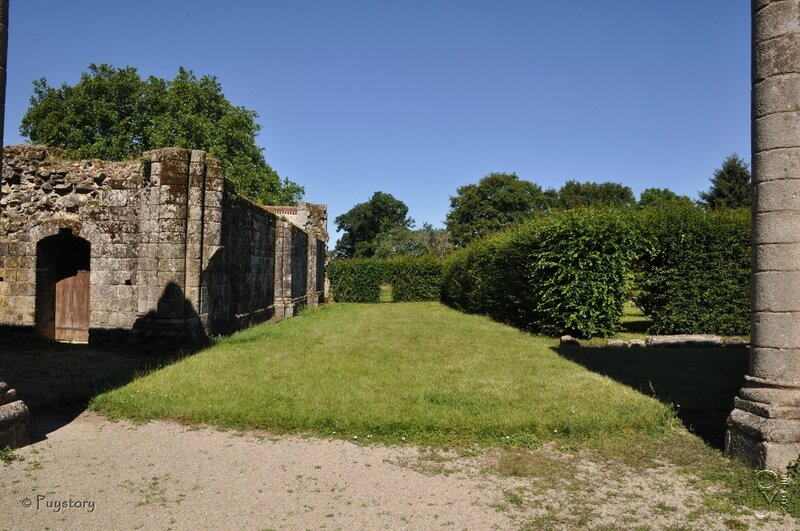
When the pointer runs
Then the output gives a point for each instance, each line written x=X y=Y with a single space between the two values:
x=776 y=56
x=777 y=257
x=171 y=236
x=777 y=291
x=13 y=424
x=763 y=443
x=172 y=211
x=212 y=215
x=171 y=252
x=781 y=194
x=776 y=164
x=776 y=330
x=775 y=19
x=777 y=130
x=776 y=227
x=777 y=94
x=172 y=265
x=775 y=364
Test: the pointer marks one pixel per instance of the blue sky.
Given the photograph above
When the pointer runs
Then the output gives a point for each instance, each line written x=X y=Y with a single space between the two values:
x=417 y=98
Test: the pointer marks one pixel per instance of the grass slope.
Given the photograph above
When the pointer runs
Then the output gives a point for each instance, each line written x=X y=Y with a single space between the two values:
x=414 y=372
x=420 y=373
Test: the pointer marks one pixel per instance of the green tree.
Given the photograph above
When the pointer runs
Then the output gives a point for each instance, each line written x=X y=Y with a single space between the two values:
x=404 y=241
x=112 y=113
x=498 y=200
x=662 y=197
x=365 y=222
x=730 y=185
x=576 y=194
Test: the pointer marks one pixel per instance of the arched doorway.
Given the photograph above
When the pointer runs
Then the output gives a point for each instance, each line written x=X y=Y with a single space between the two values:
x=62 y=287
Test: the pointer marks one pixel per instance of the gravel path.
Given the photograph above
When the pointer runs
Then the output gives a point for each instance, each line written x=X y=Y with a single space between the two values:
x=163 y=475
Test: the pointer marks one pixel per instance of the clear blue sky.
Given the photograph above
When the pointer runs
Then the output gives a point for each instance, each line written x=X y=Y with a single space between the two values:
x=417 y=98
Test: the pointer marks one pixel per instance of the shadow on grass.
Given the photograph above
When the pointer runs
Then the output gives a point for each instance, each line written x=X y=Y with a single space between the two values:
x=637 y=326
x=700 y=383
x=58 y=380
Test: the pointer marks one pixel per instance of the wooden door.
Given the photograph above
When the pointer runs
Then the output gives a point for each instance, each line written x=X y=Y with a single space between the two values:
x=72 y=308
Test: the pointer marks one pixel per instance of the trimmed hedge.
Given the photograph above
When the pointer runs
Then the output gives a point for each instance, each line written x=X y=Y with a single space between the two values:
x=360 y=279
x=565 y=272
x=571 y=271
x=695 y=276
x=357 y=279
x=415 y=279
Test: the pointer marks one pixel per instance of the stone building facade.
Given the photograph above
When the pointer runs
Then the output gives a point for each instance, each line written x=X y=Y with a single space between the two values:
x=157 y=247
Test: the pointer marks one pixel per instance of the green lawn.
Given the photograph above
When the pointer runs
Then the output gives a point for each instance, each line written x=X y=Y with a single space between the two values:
x=421 y=373
x=415 y=372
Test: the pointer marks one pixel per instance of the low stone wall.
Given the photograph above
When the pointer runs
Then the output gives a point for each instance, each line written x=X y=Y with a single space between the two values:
x=667 y=341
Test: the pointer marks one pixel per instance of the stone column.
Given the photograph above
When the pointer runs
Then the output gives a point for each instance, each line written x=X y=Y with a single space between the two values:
x=212 y=245
x=764 y=427
x=312 y=295
x=284 y=305
x=173 y=174
x=195 y=203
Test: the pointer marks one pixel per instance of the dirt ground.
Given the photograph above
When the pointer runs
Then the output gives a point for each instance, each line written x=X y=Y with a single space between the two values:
x=84 y=472
x=95 y=474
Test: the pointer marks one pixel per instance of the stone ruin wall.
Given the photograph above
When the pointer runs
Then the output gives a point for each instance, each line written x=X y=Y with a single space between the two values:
x=313 y=222
x=174 y=251
x=105 y=203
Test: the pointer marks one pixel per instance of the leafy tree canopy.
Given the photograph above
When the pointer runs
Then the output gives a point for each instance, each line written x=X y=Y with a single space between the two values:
x=661 y=198
x=497 y=200
x=112 y=113
x=730 y=185
x=576 y=194
x=365 y=222
x=404 y=241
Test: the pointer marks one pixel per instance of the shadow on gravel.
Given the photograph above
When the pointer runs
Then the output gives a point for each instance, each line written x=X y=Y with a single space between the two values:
x=58 y=380
x=699 y=382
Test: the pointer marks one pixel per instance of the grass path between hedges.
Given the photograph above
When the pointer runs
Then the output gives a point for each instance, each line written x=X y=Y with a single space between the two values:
x=421 y=373
x=415 y=372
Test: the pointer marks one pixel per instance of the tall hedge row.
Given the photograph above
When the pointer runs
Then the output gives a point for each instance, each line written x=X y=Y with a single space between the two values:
x=695 y=274
x=415 y=279
x=572 y=271
x=566 y=272
x=357 y=279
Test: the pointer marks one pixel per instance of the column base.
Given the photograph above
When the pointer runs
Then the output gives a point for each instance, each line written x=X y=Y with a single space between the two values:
x=313 y=299
x=764 y=434
x=284 y=308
